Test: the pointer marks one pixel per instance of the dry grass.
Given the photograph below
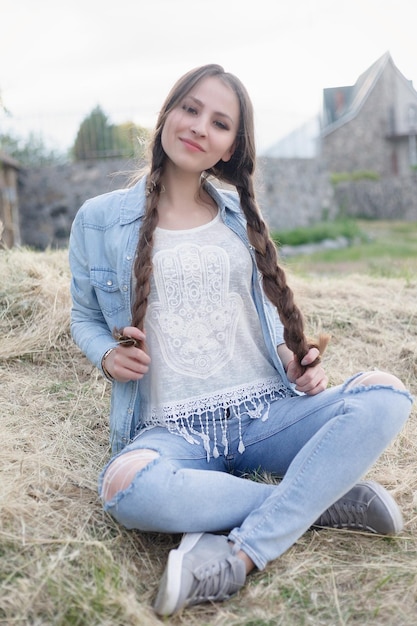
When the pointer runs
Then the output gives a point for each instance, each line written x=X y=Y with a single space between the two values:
x=64 y=562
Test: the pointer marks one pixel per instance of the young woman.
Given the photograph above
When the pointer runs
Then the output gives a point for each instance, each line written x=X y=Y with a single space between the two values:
x=179 y=298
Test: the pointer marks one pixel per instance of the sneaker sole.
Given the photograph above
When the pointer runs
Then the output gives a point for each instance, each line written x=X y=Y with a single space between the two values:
x=169 y=591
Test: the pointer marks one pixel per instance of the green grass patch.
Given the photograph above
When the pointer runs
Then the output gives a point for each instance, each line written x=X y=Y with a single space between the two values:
x=383 y=249
x=319 y=232
x=341 y=177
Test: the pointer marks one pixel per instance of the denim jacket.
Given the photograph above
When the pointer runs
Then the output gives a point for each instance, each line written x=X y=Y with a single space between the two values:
x=103 y=242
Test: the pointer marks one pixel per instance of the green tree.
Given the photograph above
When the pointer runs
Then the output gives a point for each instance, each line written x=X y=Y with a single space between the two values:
x=98 y=138
x=94 y=137
x=134 y=139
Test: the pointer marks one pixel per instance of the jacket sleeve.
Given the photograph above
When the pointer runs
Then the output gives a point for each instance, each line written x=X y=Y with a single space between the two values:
x=89 y=327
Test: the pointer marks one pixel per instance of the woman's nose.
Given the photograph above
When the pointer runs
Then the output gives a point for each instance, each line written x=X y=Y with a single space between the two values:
x=199 y=127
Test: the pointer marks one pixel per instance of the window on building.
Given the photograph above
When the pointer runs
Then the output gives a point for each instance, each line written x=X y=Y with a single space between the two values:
x=412 y=136
x=412 y=117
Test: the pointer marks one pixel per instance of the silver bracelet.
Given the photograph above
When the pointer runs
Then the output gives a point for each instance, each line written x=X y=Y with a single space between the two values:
x=103 y=367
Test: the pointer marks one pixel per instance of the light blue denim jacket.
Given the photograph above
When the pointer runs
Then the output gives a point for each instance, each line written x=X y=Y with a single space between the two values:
x=103 y=242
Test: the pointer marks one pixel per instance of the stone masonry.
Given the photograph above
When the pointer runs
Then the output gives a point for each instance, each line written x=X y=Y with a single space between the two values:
x=291 y=193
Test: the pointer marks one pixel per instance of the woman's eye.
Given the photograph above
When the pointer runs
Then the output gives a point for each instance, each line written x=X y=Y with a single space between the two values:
x=189 y=109
x=221 y=125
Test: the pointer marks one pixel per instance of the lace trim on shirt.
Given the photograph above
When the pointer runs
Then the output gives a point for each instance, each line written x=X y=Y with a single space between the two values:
x=192 y=419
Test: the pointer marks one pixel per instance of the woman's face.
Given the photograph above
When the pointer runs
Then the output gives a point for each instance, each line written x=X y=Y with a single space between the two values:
x=201 y=130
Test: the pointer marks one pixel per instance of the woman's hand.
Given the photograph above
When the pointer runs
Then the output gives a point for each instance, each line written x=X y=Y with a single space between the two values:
x=128 y=363
x=311 y=381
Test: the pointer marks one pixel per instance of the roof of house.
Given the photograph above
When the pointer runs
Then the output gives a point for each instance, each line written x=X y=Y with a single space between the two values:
x=8 y=160
x=342 y=104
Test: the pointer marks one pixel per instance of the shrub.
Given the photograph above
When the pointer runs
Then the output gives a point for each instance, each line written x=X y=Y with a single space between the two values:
x=318 y=232
x=341 y=177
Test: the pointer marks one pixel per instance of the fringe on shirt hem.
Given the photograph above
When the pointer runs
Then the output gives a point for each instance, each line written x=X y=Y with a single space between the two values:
x=195 y=420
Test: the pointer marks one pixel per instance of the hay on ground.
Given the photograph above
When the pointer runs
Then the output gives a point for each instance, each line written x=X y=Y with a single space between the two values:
x=64 y=562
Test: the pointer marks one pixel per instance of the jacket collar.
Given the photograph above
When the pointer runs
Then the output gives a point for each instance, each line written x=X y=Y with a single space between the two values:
x=134 y=200
x=225 y=199
x=133 y=203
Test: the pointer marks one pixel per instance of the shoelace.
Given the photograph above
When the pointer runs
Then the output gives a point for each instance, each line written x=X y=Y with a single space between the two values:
x=217 y=581
x=343 y=514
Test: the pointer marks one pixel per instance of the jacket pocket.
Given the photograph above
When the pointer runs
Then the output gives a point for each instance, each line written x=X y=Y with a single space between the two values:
x=109 y=296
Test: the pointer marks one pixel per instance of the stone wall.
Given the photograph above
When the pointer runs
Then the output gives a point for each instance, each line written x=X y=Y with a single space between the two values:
x=49 y=197
x=294 y=192
x=392 y=198
x=291 y=193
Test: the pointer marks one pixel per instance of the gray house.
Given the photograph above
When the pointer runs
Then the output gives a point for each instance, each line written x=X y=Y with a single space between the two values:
x=369 y=130
x=371 y=125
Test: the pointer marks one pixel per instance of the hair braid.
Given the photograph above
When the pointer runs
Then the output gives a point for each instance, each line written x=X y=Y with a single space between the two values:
x=237 y=171
x=274 y=279
x=143 y=263
x=142 y=267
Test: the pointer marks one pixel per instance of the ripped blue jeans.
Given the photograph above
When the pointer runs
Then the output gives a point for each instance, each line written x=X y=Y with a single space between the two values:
x=320 y=445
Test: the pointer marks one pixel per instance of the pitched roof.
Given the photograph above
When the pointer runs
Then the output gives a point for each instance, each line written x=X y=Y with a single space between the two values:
x=341 y=104
x=8 y=160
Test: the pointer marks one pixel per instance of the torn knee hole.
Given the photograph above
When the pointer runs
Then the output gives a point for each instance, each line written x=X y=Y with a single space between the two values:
x=368 y=379
x=123 y=469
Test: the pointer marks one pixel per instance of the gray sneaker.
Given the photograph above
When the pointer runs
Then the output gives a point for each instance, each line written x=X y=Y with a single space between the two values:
x=201 y=569
x=367 y=507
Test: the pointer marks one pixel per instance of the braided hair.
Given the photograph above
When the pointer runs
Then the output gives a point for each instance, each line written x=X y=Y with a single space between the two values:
x=238 y=171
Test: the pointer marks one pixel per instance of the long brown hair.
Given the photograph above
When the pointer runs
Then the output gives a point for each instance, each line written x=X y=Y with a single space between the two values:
x=238 y=171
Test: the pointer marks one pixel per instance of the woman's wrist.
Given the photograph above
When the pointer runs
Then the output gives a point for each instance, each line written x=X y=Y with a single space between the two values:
x=286 y=366
x=286 y=356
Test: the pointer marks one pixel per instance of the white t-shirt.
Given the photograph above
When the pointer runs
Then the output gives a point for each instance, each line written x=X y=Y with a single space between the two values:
x=203 y=332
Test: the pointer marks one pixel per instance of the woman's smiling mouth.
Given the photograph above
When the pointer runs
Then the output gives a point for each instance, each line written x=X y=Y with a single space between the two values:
x=192 y=145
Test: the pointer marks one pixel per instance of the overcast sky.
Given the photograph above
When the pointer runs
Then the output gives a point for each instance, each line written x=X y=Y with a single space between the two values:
x=61 y=58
